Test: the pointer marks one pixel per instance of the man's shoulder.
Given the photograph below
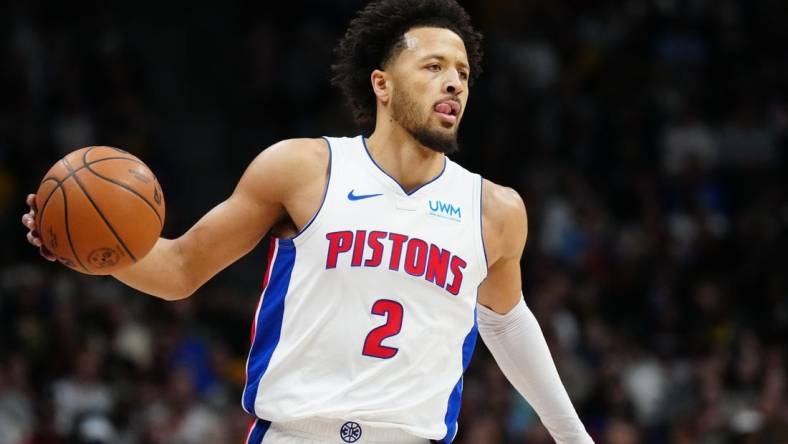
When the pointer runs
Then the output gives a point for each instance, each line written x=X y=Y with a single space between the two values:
x=287 y=165
x=302 y=151
x=501 y=203
x=293 y=157
x=505 y=221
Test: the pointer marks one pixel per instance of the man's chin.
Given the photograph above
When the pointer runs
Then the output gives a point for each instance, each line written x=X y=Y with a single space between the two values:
x=440 y=141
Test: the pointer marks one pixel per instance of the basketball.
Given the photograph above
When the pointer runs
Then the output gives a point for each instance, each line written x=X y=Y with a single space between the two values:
x=99 y=210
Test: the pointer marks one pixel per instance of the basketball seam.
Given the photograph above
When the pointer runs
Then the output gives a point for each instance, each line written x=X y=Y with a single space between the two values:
x=60 y=182
x=68 y=230
x=82 y=187
x=109 y=147
x=46 y=201
x=122 y=185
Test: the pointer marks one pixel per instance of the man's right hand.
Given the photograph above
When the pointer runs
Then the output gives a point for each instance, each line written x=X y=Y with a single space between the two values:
x=29 y=221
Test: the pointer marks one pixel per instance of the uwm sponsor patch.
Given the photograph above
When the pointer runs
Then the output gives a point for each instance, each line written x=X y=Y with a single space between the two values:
x=398 y=252
x=444 y=210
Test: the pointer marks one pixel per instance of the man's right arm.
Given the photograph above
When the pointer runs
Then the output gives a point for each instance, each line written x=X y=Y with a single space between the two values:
x=175 y=268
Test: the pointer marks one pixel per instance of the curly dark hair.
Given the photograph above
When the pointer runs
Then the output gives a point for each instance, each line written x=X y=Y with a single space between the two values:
x=376 y=35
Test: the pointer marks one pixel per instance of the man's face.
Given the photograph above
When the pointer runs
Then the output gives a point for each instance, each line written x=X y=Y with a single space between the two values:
x=430 y=86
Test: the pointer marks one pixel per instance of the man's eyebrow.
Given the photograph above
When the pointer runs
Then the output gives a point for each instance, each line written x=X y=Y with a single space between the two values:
x=443 y=59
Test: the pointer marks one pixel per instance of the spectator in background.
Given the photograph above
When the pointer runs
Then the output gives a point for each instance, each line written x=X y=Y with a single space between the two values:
x=82 y=392
x=17 y=420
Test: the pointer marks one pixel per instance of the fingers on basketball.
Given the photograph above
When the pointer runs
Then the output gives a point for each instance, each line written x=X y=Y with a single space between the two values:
x=100 y=209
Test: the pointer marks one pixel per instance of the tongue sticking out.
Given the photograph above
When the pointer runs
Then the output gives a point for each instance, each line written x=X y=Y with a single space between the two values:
x=443 y=108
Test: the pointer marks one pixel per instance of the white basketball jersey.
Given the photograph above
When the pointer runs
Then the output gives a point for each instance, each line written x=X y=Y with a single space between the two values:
x=368 y=314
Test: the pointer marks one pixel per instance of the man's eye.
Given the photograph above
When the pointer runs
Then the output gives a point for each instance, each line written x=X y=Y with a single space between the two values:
x=434 y=67
x=463 y=75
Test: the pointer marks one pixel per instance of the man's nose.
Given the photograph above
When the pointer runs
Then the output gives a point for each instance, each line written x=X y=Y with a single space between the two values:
x=453 y=84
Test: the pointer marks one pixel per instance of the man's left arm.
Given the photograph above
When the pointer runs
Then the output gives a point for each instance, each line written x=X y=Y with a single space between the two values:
x=509 y=328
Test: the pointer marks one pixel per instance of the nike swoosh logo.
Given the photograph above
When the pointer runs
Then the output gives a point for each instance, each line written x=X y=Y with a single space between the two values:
x=352 y=196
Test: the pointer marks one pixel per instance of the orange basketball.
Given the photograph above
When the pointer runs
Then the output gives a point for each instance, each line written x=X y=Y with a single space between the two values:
x=99 y=209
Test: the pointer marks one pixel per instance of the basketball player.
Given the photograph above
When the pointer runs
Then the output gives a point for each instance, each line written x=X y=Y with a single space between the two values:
x=387 y=257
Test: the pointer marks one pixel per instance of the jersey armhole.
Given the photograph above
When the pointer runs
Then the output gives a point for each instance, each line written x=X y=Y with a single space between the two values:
x=313 y=222
x=480 y=248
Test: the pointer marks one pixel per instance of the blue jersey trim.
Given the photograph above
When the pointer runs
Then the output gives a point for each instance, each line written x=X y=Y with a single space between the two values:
x=481 y=221
x=269 y=321
x=455 y=399
x=325 y=193
x=366 y=149
x=258 y=431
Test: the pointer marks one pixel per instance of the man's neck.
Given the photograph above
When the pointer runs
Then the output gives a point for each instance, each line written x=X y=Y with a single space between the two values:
x=403 y=157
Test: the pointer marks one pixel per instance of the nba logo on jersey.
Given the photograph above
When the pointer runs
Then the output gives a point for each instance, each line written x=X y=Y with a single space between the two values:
x=368 y=314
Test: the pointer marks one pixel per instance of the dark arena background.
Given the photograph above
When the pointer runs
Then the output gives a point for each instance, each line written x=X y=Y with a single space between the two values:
x=649 y=139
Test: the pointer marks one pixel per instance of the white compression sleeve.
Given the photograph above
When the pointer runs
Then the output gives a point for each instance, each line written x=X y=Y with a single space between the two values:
x=519 y=347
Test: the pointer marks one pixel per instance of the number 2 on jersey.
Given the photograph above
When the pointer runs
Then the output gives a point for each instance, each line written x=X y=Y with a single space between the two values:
x=393 y=312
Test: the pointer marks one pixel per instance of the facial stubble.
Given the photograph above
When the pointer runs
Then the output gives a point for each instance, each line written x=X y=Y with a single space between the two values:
x=407 y=113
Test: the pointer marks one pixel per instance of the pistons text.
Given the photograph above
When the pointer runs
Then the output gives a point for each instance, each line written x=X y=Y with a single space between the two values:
x=397 y=252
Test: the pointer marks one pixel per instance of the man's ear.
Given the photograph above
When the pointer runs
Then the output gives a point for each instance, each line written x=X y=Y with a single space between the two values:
x=381 y=85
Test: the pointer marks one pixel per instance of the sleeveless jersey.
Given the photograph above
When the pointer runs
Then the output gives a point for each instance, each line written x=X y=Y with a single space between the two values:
x=368 y=314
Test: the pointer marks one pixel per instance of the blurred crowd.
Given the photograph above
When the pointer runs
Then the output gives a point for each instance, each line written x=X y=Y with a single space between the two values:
x=649 y=139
